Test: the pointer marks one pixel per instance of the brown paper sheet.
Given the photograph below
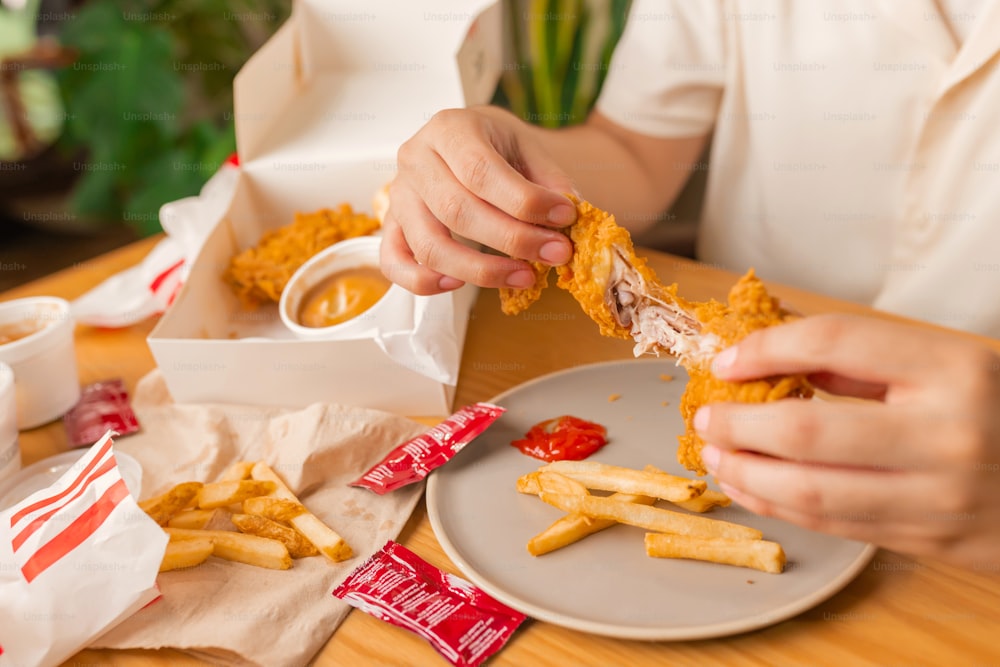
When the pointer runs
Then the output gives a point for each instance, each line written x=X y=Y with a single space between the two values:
x=240 y=614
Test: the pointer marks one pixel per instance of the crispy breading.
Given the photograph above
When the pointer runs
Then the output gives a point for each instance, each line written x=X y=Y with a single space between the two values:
x=750 y=308
x=594 y=234
x=586 y=274
x=513 y=301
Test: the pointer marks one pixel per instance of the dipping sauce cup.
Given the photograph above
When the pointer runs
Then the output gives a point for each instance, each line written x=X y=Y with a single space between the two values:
x=36 y=341
x=339 y=292
x=10 y=452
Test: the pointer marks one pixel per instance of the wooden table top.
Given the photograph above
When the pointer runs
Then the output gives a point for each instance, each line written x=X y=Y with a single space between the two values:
x=899 y=611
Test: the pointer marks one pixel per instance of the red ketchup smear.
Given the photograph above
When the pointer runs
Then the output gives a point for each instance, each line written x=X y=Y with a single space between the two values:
x=565 y=438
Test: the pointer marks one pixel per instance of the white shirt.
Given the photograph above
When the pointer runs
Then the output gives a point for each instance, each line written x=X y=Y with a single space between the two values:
x=856 y=148
x=961 y=16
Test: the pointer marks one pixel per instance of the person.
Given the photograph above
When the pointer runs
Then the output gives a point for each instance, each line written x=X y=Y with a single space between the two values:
x=853 y=152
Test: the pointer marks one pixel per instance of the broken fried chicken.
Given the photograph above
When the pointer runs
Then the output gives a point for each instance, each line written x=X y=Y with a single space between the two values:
x=619 y=291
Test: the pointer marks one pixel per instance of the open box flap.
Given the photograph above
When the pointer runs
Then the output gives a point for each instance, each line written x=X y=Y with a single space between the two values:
x=345 y=77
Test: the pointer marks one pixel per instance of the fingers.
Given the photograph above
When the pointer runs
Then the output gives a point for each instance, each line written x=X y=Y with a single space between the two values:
x=421 y=252
x=490 y=161
x=862 y=526
x=894 y=511
x=844 y=386
x=867 y=349
x=823 y=496
x=398 y=265
x=475 y=219
x=539 y=167
x=826 y=432
x=466 y=172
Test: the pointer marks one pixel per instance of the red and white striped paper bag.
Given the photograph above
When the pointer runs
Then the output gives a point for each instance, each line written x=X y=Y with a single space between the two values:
x=76 y=558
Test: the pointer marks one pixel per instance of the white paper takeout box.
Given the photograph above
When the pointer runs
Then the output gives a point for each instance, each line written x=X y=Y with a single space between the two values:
x=320 y=112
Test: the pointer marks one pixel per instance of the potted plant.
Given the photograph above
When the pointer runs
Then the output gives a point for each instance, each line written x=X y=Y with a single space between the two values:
x=147 y=98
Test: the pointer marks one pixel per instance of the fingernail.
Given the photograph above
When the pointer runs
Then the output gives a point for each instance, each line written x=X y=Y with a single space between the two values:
x=562 y=214
x=555 y=252
x=521 y=279
x=449 y=283
x=710 y=456
x=724 y=359
x=701 y=419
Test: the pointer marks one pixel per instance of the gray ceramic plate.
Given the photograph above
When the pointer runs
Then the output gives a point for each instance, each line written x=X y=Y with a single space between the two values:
x=606 y=584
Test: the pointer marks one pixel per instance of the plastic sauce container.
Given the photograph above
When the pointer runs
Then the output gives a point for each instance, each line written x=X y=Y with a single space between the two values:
x=36 y=341
x=10 y=452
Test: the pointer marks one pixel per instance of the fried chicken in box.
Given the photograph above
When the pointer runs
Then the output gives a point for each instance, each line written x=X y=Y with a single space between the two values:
x=622 y=294
x=259 y=274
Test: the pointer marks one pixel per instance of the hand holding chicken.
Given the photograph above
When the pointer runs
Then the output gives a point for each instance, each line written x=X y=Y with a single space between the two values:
x=620 y=292
x=912 y=468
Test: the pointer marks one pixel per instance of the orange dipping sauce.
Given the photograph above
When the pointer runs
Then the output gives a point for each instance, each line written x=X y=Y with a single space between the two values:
x=343 y=296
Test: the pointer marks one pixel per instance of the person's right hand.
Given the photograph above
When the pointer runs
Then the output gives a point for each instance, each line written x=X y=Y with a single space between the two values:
x=477 y=173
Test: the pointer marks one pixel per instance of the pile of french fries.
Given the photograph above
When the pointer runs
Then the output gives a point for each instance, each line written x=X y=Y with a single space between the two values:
x=271 y=525
x=567 y=485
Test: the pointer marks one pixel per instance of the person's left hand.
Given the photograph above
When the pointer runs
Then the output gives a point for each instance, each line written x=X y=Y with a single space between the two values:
x=915 y=469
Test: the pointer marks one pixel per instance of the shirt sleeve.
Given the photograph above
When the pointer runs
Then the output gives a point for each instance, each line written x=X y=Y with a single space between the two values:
x=666 y=76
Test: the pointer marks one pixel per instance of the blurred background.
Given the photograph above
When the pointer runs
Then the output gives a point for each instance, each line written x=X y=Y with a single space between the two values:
x=109 y=109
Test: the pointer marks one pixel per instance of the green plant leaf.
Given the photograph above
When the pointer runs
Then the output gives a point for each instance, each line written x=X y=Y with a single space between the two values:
x=619 y=16
x=519 y=83
x=93 y=28
x=170 y=175
x=95 y=193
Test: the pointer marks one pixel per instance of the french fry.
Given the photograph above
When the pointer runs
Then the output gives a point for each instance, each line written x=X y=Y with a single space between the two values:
x=192 y=519
x=239 y=547
x=566 y=484
x=756 y=554
x=594 y=475
x=708 y=500
x=197 y=533
x=237 y=472
x=161 y=508
x=220 y=519
x=275 y=509
x=705 y=502
x=220 y=494
x=650 y=518
x=297 y=545
x=574 y=527
x=187 y=553
x=322 y=536
x=535 y=482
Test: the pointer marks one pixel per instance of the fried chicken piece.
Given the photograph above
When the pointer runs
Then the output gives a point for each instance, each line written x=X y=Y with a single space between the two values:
x=614 y=287
x=750 y=308
x=622 y=294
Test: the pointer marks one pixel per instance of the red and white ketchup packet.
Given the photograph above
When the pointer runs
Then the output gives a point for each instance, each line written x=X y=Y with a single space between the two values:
x=103 y=407
x=415 y=459
x=461 y=622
